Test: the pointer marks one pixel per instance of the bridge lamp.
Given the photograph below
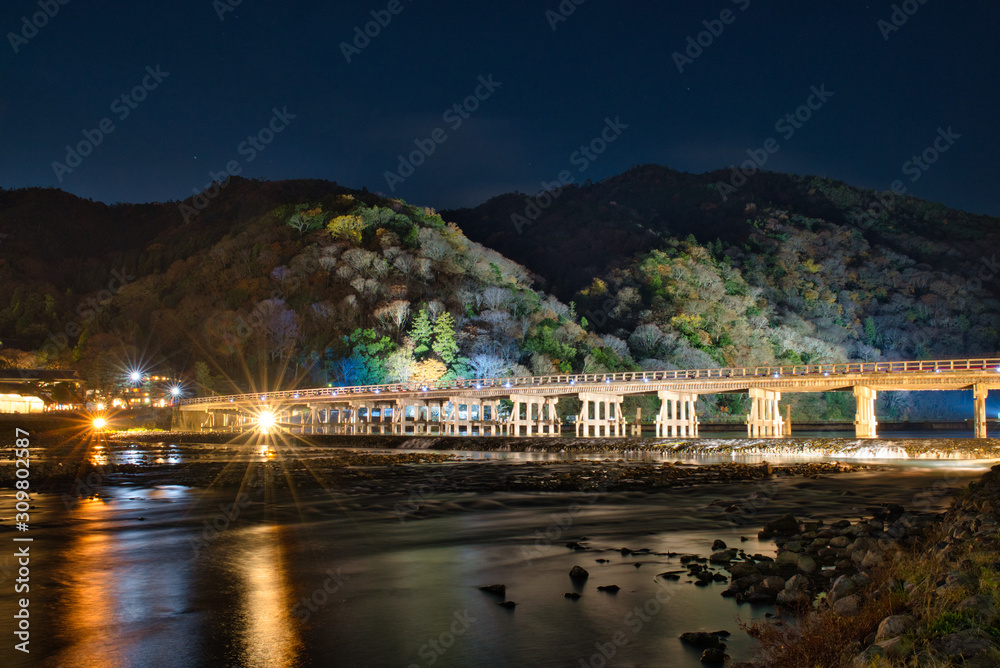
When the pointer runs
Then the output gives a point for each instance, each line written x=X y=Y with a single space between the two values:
x=479 y=387
x=334 y=393
x=231 y=400
x=99 y=423
x=607 y=380
x=377 y=391
x=262 y=397
x=295 y=396
x=175 y=391
x=266 y=420
x=507 y=384
x=777 y=375
x=572 y=382
x=645 y=380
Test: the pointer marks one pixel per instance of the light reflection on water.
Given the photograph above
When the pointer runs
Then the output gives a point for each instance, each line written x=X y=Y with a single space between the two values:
x=268 y=636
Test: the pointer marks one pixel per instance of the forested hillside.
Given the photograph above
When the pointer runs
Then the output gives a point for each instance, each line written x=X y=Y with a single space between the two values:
x=306 y=282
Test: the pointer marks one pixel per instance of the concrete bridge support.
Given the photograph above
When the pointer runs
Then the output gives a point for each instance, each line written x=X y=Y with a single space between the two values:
x=607 y=417
x=765 y=419
x=677 y=417
x=540 y=416
x=865 y=424
x=979 y=393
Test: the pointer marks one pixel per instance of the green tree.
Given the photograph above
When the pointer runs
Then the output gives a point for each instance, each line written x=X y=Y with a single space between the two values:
x=871 y=332
x=422 y=333
x=445 y=341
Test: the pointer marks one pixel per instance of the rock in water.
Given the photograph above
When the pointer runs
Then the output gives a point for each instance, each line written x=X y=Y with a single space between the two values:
x=719 y=545
x=714 y=656
x=609 y=588
x=783 y=526
x=701 y=639
x=507 y=604
x=578 y=573
x=572 y=595
x=497 y=590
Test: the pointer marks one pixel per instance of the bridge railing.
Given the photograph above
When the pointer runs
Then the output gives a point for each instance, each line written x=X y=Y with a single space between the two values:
x=931 y=366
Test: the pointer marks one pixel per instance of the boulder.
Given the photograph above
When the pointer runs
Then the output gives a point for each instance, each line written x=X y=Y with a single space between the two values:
x=714 y=656
x=723 y=557
x=741 y=569
x=701 y=639
x=972 y=645
x=496 y=590
x=783 y=526
x=896 y=648
x=805 y=563
x=842 y=586
x=847 y=606
x=894 y=625
x=840 y=542
x=578 y=573
x=980 y=606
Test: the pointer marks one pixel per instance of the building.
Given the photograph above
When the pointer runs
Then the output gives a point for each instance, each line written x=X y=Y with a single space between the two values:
x=37 y=390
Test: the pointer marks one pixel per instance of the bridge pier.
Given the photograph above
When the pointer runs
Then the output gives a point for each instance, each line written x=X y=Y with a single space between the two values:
x=535 y=421
x=677 y=417
x=764 y=420
x=607 y=420
x=979 y=393
x=865 y=424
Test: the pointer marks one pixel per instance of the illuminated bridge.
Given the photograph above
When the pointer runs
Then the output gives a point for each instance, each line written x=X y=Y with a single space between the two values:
x=474 y=408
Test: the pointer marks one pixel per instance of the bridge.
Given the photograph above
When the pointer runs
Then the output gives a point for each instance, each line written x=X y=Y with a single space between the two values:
x=477 y=407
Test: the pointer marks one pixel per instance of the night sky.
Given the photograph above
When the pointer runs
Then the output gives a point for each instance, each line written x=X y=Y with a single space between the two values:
x=223 y=71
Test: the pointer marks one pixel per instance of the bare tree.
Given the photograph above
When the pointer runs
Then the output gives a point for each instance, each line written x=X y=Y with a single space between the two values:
x=495 y=298
x=394 y=314
x=645 y=340
x=279 y=326
x=488 y=365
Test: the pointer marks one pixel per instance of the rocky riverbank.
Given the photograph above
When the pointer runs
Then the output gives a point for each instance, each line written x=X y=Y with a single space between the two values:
x=905 y=587
x=923 y=448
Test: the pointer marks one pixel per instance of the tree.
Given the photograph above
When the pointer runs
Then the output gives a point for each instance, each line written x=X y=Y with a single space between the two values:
x=487 y=365
x=428 y=371
x=422 y=333
x=445 y=342
x=278 y=325
x=645 y=340
x=400 y=365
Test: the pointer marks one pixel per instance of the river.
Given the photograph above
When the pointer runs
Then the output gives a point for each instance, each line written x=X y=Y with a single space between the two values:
x=140 y=577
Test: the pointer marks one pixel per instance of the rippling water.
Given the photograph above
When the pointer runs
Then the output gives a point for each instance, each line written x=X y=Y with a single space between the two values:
x=141 y=577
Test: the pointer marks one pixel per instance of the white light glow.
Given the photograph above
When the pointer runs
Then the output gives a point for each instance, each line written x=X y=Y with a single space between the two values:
x=266 y=420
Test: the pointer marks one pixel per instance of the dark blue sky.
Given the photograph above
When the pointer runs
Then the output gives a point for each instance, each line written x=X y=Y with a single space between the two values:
x=606 y=60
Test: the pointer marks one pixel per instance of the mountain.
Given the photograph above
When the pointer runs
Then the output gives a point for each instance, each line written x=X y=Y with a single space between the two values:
x=277 y=283
x=872 y=275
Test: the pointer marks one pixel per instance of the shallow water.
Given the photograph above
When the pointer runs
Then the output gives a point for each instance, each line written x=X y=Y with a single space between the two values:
x=139 y=577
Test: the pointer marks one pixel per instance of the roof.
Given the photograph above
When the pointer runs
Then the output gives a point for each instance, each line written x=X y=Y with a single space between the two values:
x=38 y=375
